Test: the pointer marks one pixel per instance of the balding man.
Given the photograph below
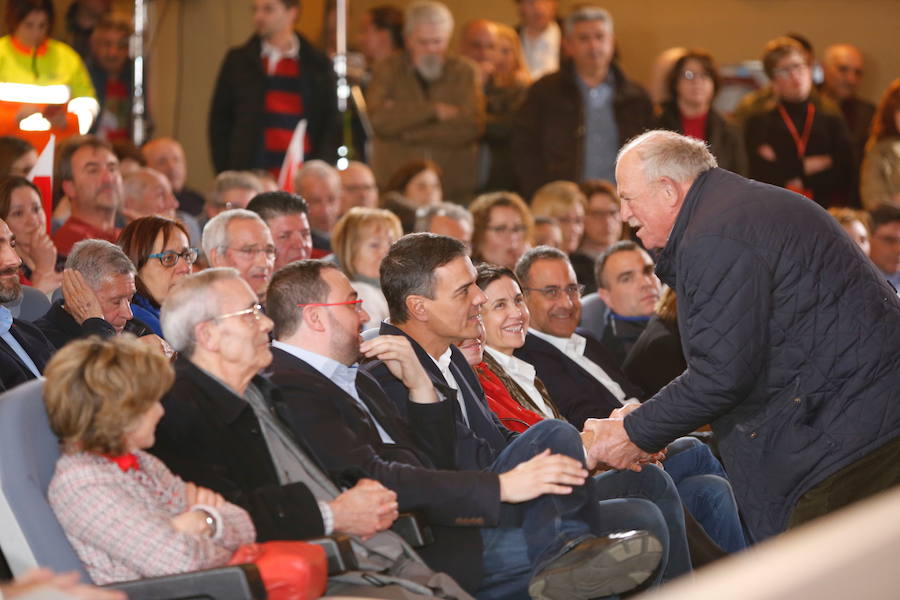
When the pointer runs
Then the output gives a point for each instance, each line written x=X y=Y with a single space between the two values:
x=320 y=185
x=240 y=239
x=789 y=334
x=147 y=192
x=358 y=187
x=478 y=43
x=844 y=67
x=167 y=156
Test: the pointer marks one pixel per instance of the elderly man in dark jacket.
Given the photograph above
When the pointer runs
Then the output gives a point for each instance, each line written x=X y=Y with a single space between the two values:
x=789 y=332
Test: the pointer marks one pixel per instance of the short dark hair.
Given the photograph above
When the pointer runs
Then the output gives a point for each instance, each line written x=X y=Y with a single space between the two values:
x=705 y=59
x=884 y=214
x=405 y=173
x=299 y=282
x=70 y=147
x=7 y=186
x=136 y=241
x=11 y=150
x=270 y=205
x=622 y=246
x=408 y=269
x=523 y=266
x=17 y=11
x=289 y=4
x=387 y=16
x=777 y=49
x=488 y=274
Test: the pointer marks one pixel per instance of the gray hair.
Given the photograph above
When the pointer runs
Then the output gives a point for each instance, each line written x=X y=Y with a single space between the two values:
x=320 y=169
x=98 y=259
x=524 y=264
x=192 y=301
x=134 y=184
x=426 y=214
x=215 y=232
x=584 y=13
x=233 y=180
x=422 y=12
x=669 y=154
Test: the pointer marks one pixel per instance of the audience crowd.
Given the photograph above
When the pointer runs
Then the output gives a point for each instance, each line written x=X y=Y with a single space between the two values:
x=453 y=323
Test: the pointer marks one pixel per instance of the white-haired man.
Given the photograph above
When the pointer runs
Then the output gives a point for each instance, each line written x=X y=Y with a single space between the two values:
x=425 y=103
x=239 y=238
x=789 y=334
x=319 y=184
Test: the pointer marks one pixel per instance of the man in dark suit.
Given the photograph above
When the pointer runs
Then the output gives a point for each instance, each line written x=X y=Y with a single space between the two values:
x=429 y=283
x=24 y=351
x=223 y=430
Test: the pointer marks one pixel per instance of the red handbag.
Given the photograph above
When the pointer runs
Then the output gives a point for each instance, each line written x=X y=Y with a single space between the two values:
x=289 y=570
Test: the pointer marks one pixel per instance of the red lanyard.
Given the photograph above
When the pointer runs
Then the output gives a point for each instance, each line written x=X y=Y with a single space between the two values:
x=799 y=141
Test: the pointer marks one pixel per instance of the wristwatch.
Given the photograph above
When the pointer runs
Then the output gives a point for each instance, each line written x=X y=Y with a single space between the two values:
x=210 y=522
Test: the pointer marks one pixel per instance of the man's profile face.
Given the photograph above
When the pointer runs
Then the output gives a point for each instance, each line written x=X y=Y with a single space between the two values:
x=591 y=45
x=427 y=47
x=552 y=297
x=242 y=341
x=96 y=180
x=843 y=72
x=114 y=294
x=885 y=248
x=358 y=187
x=251 y=251
x=271 y=17
x=10 y=288
x=629 y=285
x=167 y=157
x=323 y=196
x=292 y=236
x=157 y=197
x=455 y=312
x=109 y=48
x=644 y=205
x=345 y=321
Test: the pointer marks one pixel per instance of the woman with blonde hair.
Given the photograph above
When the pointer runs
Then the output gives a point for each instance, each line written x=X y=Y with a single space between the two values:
x=502 y=228
x=360 y=240
x=880 y=175
x=565 y=202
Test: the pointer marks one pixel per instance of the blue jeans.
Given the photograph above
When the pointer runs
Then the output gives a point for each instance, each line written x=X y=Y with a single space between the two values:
x=705 y=491
x=534 y=533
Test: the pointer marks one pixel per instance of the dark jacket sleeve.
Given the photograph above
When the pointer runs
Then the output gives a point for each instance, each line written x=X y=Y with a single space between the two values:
x=221 y=114
x=727 y=337
x=527 y=142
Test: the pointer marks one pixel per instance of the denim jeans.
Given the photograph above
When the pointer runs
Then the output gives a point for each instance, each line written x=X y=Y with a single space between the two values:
x=536 y=532
x=705 y=491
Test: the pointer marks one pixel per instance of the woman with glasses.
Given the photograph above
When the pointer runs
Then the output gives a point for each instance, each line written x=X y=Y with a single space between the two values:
x=160 y=251
x=502 y=228
x=692 y=85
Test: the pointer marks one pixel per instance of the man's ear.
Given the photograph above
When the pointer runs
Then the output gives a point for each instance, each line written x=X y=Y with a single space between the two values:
x=68 y=188
x=214 y=257
x=312 y=319
x=604 y=295
x=205 y=336
x=415 y=306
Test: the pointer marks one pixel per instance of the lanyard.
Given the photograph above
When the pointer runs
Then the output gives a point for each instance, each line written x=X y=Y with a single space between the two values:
x=799 y=141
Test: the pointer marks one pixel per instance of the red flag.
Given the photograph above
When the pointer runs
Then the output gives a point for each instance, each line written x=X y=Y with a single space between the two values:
x=42 y=176
x=293 y=158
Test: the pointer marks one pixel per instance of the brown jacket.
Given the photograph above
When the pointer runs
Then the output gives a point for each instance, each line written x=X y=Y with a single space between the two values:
x=407 y=128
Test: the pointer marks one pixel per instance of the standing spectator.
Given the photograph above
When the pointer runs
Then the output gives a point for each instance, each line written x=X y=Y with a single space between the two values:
x=427 y=104
x=81 y=19
x=265 y=87
x=795 y=143
x=541 y=35
x=885 y=242
x=478 y=43
x=90 y=178
x=23 y=212
x=380 y=34
x=112 y=73
x=844 y=68
x=167 y=156
x=320 y=185
x=573 y=121
x=503 y=228
x=692 y=84
x=881 y=167
x=17 y=157
x=358 y=187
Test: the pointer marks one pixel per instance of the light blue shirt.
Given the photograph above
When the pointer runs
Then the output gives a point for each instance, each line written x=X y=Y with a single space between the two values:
x=6 y=321
x=601 y=133
x=342 y=375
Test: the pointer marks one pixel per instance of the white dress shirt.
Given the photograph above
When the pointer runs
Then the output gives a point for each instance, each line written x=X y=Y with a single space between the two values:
x=443 y=363
x=524 y=375
x=542 y=52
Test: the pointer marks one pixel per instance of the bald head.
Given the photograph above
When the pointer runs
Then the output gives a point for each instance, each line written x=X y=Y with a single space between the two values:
x=843 y=66
x=146 y=193
x=167 y=156
x=478 y=42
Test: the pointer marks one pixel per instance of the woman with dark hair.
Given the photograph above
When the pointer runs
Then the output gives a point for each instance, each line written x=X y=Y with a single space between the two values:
x=17 y=156
x=502 y=228
x=412 y=186
x=880 y=175
x=162 y=255
x=21 y=208
x=692 y=85
x=45 y=72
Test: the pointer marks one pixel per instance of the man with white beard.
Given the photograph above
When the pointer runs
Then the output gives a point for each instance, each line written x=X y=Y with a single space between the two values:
x=425 y=103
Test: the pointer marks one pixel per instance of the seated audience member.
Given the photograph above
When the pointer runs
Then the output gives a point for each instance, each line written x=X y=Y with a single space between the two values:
x=239 y=238
x=547 y=232
x=414 y=185
x=880 y=176
x=24 y=351
x=796 y=143
x=564 y=201
x=429 y=283
x=856 y=224
x=160 y=251
x=125 y=514
x=885 y=242
x=693 y=83
x=21 y=209
x=129 y=155
x=320 y=185
x=224 y=428
x=267 y=181
x=231 y=189
x=88 y=171
x=503 y=228
x=426 y=102
x=358 y=187
x=361 y=240
x=628 y=285
x=112 y=74
x=167 y=156
x=314 y=365
x=447 y=219
x=147 y=192
x=17 y=156
x=656 y=358
x=602 y=228
x=286 y=215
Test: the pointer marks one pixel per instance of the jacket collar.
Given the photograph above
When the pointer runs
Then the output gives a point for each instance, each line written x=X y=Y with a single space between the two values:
x=227 y=404
x=666 y=258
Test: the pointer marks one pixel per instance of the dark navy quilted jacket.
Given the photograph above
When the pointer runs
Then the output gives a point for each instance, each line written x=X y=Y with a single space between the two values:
x=792 y=339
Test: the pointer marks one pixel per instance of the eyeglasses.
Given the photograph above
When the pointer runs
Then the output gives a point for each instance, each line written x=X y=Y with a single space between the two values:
x=692 y=75
x=356 y=304
x=170 y=258
x=256 y=310
x=788 y=70
x=250 y=252
x=554 y=292
x=506 y=230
